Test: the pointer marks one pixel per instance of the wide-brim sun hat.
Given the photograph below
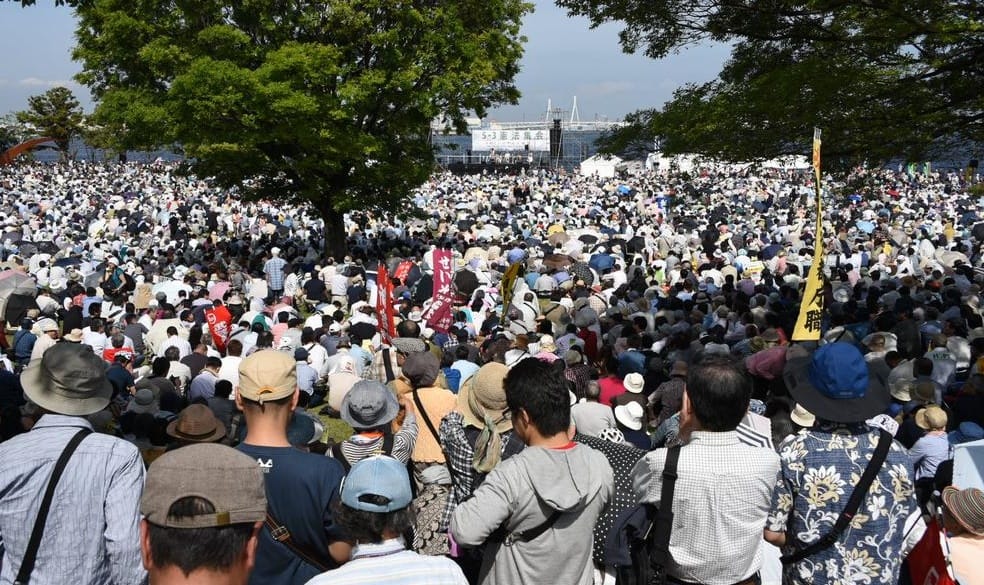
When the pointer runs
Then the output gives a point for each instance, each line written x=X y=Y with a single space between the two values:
x=966 y=507
x=196 y=424
x=834 y=383
x=630 y=415
x=69 y=379
x=484 y=393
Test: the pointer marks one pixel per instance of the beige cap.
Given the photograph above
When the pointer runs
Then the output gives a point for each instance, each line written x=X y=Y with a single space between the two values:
x=228 y=480
x=267 y=375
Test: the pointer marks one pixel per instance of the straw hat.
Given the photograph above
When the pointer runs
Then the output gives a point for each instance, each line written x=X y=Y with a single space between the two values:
x=966 y=507
x=931 y=418
x=484 y=394
x=196 y=424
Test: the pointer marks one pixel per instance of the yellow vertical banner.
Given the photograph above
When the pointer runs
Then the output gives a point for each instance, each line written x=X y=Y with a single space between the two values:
x=810 y=320
x=508 y=284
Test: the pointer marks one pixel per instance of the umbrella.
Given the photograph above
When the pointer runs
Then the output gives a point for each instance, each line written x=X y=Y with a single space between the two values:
x=27 y=249
x=865 y=226
x=489 y=232
x=13 y=236
x=769 y=252
x=555 y=229
x=47 y=247
x=557 y=238
x=17 y=293
x=93 y=278
x=66 y=262
x=475 y=252
x=466 y=282
x=556 y=261
x=588 y=239
x=219 y=290
x=636 y=244
x=581 y=271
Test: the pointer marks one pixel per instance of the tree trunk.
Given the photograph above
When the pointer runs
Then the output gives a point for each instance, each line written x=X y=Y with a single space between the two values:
x=335 y=236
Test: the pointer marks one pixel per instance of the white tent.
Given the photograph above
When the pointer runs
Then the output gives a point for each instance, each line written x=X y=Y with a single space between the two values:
x=600 y=165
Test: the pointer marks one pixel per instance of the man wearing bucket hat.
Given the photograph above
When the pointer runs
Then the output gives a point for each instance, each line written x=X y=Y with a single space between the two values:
x=820 y=470
x=299 y=539
x=98 y=486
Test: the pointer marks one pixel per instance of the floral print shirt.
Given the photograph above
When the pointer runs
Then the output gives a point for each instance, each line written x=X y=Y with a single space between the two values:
x=820 y=467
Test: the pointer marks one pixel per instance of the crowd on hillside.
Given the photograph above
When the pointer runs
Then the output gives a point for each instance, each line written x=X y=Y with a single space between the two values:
x=530 y=366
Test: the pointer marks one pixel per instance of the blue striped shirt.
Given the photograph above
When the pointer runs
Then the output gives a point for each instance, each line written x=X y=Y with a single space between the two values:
x=92 y=533
x=389 y=563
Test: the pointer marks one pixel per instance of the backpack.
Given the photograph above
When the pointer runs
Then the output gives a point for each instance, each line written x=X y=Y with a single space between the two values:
x=638 y=546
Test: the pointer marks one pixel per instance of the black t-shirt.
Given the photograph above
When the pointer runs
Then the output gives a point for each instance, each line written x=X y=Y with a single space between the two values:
x=300 y=488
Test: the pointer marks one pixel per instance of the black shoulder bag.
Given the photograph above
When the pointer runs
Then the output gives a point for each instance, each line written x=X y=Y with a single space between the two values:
x=638 y=547
x=860 y=491
x=34 y=543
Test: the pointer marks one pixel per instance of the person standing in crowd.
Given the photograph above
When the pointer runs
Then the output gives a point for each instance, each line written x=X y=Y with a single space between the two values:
x=375 y=511
x=820 y=467
x=96 y=503
x=267 y=396
x=723 y=486
x=273 y=269
x=203 y=508
x=590 y=416
x=542 y=500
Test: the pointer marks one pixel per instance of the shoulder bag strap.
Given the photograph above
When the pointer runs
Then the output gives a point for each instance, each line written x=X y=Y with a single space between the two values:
x=281 y=534
x=336 y=452
x=390 y=375
x=423 y=414
x=430 y=426
x=388 y=440
x=31 y=553
x=664 y=518
x=860 y=491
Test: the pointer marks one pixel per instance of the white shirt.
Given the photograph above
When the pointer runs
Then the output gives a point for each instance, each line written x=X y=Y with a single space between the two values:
x=184 y=348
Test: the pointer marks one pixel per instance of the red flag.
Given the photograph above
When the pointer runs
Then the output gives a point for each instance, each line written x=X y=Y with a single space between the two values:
x=403 y=271
x=220 y=324
x=384 y=303
x=438 y=315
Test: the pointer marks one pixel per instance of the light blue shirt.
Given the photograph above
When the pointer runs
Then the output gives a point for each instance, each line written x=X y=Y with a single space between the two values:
x=92 y=535
x=389 y=563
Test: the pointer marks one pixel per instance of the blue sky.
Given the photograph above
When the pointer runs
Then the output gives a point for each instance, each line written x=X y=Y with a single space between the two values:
x=563 y=59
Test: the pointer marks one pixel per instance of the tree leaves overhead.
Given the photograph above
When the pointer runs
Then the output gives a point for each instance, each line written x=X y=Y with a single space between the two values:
x=325 y=102
x=883 y=78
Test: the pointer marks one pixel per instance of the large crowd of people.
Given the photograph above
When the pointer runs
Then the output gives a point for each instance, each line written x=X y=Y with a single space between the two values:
x=525 y=368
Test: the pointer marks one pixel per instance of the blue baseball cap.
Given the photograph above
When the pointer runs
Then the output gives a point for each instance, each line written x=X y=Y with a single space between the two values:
x=835 y=384
x=377 y=484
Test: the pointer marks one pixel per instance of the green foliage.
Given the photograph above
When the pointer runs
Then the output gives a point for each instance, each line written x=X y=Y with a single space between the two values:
x=12 y=132
x=883 y=78
x=327 y=103
x=56 y=114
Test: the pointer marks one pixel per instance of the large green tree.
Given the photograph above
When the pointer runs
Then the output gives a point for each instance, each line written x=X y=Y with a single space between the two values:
x=327 y=103
x=56 y=114
x=883 y=78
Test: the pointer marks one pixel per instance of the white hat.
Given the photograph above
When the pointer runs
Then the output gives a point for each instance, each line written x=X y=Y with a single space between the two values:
x=630 y=415
x=802 y=416
x=634 y=383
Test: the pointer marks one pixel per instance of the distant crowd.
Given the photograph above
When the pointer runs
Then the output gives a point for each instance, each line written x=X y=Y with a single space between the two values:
x=531 y=373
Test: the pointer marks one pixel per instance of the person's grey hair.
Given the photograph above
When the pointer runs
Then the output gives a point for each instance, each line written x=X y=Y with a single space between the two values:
x=593 y=390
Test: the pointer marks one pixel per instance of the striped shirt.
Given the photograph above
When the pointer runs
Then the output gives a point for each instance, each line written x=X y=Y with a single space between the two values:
x=92 y=532
x=389 y=563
